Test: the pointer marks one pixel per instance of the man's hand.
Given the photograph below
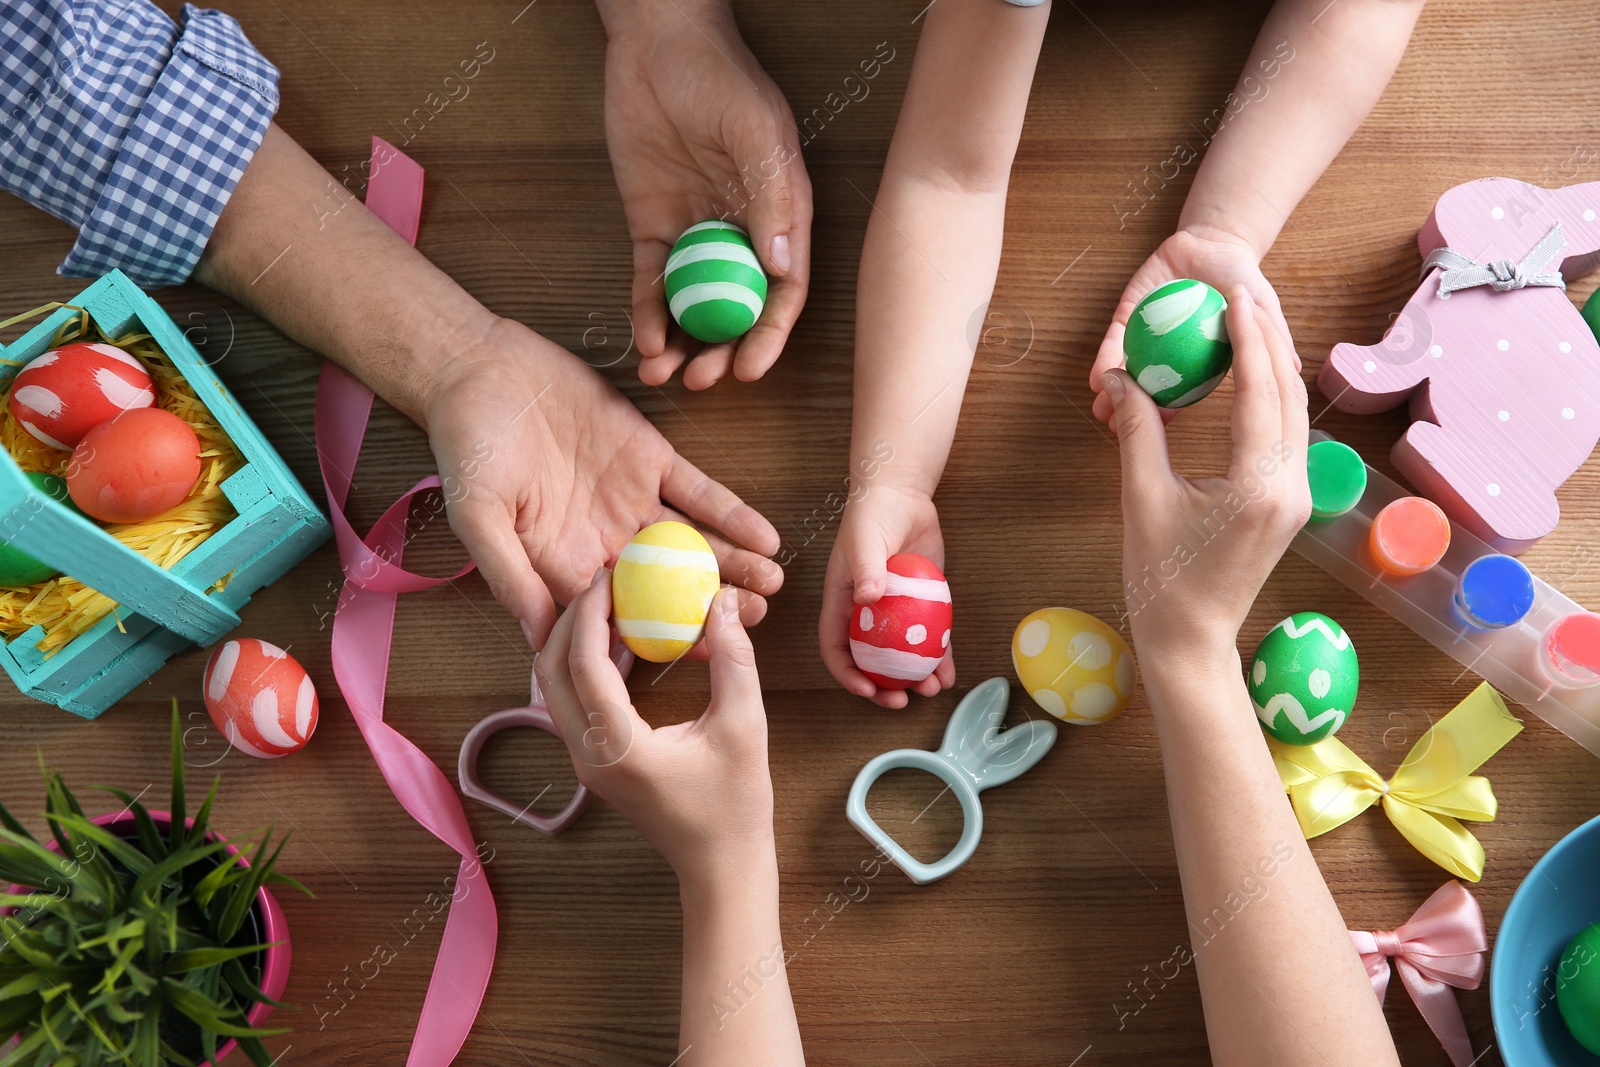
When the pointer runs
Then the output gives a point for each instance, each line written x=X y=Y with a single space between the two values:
x=697 y=131
x=549 y=471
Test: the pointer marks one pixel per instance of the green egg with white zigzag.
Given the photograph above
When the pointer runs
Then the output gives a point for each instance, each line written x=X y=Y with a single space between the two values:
x=715 y=285
x=1303 y=679
x=1177 y=342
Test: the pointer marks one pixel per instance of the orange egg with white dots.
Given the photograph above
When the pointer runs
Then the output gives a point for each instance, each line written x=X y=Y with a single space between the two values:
x=260 y=697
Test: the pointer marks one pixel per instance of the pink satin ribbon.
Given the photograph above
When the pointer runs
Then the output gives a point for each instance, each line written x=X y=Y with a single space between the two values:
x=1439 y=948
x=363 y=626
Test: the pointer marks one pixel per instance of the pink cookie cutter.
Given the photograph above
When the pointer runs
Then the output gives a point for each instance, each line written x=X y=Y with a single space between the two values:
x=535 y=714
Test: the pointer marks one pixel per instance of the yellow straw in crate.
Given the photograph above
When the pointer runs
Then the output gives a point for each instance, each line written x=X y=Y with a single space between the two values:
x=64 y=607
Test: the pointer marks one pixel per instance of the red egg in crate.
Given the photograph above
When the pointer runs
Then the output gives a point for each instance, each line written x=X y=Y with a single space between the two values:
x=260 y=698
x=68 y=391
x=898 y=641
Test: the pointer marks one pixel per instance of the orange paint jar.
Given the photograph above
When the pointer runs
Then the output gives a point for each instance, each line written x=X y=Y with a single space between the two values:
x=1409 y=536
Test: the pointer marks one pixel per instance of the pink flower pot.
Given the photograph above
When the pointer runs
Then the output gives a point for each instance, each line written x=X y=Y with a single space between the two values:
x=274 y=927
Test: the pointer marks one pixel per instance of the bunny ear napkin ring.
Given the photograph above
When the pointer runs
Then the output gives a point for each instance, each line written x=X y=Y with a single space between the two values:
x=976 y=754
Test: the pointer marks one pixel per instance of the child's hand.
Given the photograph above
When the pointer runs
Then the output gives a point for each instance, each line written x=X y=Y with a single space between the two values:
x=1196 y=551
x=1220 y=260
x=698 y=791
x=886 y=521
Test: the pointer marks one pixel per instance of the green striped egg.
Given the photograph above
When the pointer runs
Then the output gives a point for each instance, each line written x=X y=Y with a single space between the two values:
x=1177 y=342
x=1303 y=679
x=715 y=285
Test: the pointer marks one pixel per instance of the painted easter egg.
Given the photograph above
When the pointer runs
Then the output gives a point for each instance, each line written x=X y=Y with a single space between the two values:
x=1303 y=679
x=260 y=698
x=898 y=641
x=715 y=285
x=68 y=391
x=1073 y=665
x=1177 y=342
x=1578 y=988
x=662 y=589
x=135 y=466
x=17 y=568
x=1591 y=313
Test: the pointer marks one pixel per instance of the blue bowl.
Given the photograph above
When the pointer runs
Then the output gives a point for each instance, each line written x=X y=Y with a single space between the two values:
x=1560 y=896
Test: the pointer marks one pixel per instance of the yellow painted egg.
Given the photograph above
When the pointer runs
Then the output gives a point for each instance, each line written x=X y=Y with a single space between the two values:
x=661 y=590
x=1073 y=665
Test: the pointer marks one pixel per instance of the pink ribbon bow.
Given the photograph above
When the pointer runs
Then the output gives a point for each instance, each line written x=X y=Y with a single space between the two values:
x=1440 y=947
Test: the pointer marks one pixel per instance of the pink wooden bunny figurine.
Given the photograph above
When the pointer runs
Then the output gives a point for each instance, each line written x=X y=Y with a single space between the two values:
x=1502 y=372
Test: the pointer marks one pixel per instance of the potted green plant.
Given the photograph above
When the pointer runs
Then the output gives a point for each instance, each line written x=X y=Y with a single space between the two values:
x=138 y=938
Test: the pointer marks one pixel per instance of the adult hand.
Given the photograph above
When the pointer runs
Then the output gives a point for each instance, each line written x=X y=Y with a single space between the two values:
x=697 y=130
x=885 y=521
x=549 y=471
x=1197 y=550
x=700 y=792
x=1219 y=259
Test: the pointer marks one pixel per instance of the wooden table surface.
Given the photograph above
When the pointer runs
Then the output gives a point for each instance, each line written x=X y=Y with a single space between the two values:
x=1029 y=954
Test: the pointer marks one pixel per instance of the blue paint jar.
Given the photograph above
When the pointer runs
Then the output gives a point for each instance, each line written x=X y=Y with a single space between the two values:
x=1494 y=592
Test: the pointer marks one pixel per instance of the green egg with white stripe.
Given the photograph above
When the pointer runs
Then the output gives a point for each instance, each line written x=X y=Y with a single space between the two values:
x=715 y=285
x=1177 y=342
x=662 y=589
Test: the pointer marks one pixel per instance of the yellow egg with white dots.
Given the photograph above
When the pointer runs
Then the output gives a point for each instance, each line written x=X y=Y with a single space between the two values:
x=1073 y=665
x=662 y=589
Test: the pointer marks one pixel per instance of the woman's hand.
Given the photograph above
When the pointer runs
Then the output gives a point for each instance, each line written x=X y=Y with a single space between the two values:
x=700 y=792
x=1219 y=259
x=1197 y=550
x=886 y=520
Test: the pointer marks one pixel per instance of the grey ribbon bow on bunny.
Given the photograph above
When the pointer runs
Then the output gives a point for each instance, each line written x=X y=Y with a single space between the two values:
x=1463 y=272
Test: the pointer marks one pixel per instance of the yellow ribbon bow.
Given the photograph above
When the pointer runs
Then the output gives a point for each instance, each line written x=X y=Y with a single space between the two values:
x=1329 y=785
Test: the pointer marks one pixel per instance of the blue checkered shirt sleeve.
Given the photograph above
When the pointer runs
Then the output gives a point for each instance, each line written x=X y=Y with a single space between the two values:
x=130 y=127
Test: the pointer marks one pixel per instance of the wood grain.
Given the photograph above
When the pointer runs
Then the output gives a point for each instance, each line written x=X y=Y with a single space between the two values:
x=1029 y=955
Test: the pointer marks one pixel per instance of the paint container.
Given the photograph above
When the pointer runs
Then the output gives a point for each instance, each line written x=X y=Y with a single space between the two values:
x=1338 y=478
x=1569 y=651
x=1409 y=536
x=1494 y=592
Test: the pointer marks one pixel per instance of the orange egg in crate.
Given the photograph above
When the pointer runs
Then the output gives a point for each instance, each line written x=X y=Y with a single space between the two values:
x=135 y=466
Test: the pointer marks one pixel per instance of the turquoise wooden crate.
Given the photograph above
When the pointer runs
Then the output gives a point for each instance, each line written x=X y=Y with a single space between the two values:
x=163 y=610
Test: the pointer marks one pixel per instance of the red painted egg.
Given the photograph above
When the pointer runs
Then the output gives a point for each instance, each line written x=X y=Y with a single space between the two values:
x=68 y=391
x=134 y=466
x=260 y=698
x=898 y=641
